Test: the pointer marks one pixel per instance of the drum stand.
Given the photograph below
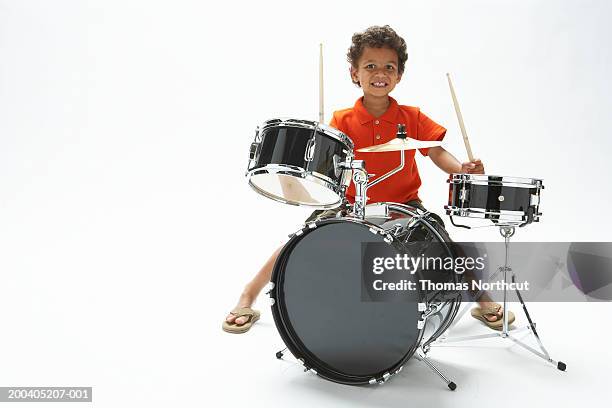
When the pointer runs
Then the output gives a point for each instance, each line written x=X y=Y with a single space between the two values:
x=420 y=354
x=507 y=231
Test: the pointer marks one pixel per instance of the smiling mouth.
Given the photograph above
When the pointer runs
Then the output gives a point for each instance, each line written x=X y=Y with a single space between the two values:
x=379 y=84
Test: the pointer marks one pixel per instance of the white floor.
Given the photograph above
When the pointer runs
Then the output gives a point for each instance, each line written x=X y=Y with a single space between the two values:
x=158 y=346
x=491 y=371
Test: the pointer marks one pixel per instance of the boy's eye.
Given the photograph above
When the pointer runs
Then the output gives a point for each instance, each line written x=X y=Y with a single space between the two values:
x=390 y=67
x=370 y=66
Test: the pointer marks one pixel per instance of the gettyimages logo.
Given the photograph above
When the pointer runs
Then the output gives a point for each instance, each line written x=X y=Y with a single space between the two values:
x=424 y=263
x=541 y=271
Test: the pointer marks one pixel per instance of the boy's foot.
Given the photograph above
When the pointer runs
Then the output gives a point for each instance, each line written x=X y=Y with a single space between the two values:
x=491 y=314
x=251 y=315
x=245 y=300
x=492 y=317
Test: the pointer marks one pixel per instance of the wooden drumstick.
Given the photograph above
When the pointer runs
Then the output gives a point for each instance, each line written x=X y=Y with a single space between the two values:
x=321 y=114
x=460 y=118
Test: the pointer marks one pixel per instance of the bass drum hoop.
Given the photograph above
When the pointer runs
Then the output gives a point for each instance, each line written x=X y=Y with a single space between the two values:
x=293 y=342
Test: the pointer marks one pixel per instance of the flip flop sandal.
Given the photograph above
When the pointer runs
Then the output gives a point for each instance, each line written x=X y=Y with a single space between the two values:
x=480 y=313
x=253 y=316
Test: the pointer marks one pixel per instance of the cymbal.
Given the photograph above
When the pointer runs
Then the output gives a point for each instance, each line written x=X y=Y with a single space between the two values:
x=398 y=144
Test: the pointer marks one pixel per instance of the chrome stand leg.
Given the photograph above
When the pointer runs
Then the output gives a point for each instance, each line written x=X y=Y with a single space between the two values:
x=560 y=365
x=478 y=336
x=422 y=356
x=544 y=354
x=464 y=338
x=508 y=232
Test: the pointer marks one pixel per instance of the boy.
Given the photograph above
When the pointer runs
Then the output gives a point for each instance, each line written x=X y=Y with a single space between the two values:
x=377 y=57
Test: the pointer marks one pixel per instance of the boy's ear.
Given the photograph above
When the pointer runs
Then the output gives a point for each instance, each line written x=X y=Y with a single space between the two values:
x=399 y=77
x=353 y=73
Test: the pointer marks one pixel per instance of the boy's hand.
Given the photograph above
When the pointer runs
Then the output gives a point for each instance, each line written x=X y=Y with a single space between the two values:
x=473 y=167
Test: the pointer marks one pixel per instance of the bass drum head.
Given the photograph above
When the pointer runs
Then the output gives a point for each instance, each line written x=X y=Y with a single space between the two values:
x=320 y=313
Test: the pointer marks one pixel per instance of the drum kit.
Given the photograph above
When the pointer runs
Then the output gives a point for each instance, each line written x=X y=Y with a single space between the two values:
x=316 y=285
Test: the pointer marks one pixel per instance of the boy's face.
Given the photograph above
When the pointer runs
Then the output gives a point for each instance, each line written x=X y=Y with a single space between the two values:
x=376 y=71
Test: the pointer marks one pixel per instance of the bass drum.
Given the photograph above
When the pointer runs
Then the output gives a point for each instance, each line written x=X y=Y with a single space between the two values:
x=322 y=306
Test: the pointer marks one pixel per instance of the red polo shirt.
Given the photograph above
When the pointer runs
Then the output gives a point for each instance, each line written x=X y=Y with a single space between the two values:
x=366 y=130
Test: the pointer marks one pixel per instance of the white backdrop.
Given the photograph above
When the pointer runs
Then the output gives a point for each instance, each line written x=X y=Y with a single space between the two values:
x=127 y=228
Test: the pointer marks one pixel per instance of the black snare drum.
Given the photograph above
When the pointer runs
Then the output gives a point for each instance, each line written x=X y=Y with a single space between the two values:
x=317 y=289
x=507 y=200
x=298 y=162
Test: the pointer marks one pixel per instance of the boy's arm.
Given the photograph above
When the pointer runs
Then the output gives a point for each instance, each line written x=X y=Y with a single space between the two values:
x=449 y=164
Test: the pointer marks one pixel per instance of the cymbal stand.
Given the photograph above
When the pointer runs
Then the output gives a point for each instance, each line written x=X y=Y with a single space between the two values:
x=362 y=183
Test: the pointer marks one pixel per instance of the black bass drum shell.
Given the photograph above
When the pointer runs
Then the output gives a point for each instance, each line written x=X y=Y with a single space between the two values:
x=319 y=311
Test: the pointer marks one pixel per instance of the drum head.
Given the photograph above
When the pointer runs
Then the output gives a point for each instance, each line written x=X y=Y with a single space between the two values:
x=319 y=309
x=296 y=190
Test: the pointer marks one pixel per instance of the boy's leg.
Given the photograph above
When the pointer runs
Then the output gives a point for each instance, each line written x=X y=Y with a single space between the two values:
x=252 y=289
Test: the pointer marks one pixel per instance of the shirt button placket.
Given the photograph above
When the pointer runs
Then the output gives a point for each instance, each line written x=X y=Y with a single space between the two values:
x=376 y=123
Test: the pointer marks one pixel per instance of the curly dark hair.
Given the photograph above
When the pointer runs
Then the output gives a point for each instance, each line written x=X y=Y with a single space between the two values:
x=377 y=37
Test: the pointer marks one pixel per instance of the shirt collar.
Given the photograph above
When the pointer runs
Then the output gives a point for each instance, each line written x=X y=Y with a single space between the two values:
x=364 y=116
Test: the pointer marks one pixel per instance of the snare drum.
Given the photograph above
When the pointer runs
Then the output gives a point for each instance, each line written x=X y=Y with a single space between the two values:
x=507 y=200
x=298 y=162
